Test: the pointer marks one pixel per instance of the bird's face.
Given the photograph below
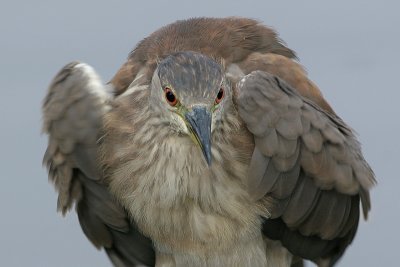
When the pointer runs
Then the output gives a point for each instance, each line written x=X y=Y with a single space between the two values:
x=190 y=92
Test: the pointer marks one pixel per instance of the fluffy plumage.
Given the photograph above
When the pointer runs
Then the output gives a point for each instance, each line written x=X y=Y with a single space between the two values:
x=283 y=166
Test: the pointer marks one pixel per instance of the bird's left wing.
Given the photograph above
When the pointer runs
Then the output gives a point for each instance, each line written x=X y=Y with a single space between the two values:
x=307 y=168
x=73 y=111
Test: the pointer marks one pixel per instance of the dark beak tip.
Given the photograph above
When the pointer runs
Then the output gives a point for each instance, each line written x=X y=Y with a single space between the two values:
x=208 y=158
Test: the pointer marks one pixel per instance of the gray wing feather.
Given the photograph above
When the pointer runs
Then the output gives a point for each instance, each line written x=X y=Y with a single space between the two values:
x=318 y=169
x=72 y=113
x=73 y=109
x=279 y=140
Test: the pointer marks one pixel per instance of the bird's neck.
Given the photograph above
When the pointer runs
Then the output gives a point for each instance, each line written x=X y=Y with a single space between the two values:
x=175 y=198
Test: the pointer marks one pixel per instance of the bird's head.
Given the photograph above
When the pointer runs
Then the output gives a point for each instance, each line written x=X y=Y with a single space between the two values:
x=190 y=91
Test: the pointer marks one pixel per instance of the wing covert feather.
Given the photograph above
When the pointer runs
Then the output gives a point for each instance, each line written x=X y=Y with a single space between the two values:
x=72 y=112
x=327 y=133
x=322 y=171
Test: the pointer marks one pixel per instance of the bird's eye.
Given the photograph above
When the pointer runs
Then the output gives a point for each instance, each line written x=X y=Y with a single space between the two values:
x=170 y=96
x=220 y=96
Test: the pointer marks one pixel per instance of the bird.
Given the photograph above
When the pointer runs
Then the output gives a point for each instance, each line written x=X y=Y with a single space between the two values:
x=209 y=147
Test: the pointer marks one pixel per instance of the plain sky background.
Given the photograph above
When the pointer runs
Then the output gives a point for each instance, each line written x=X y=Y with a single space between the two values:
x=350 y=49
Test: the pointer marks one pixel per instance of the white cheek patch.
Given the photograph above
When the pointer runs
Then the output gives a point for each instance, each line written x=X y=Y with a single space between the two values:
x=180 y=123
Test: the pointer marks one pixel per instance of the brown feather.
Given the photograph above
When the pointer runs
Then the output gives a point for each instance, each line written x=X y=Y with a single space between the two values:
x=232 y=39
x=289 y=71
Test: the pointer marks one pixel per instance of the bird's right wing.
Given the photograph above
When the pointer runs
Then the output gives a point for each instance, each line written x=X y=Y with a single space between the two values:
x=72 y=112
x=307 y=168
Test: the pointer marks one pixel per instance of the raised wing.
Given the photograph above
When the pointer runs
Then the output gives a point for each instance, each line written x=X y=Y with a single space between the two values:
x=73 y=111
x=307 y=168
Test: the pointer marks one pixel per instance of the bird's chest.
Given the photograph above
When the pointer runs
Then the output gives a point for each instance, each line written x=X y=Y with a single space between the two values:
x=184 y=205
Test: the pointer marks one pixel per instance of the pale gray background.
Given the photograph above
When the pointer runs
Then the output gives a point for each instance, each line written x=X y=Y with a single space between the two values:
x=350 y=49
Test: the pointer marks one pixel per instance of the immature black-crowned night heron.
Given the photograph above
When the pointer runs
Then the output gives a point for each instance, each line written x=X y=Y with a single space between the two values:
x=210 y=147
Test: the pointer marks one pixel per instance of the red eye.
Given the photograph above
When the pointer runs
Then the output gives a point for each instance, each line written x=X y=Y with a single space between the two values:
x=170 y=96
x=220 y=95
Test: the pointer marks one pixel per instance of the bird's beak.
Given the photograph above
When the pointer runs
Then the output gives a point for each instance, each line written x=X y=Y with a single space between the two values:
x=199 y=124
